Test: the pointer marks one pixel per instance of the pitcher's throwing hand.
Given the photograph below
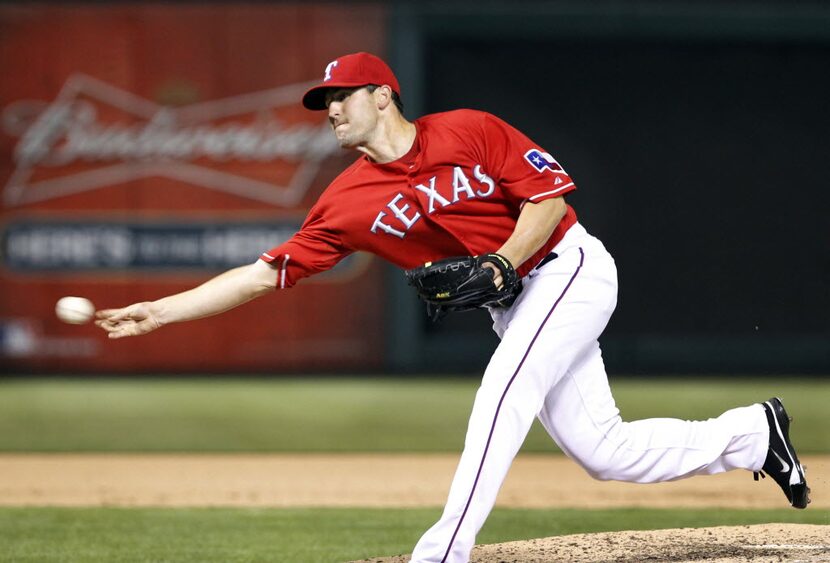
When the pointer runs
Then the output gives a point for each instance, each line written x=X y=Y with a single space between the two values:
x=134 y=320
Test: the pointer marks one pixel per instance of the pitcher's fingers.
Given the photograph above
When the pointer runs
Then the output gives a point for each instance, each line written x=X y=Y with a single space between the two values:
x=498 y=280
x=123 y=315
x=108 y=326
x=131 y=329
x=121 y=331
x=110 y=314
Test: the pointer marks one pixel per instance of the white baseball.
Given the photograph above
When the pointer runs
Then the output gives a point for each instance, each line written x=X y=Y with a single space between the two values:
x=74 y=310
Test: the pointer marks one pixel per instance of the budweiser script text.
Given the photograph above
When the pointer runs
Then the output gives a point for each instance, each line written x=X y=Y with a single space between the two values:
x=61 y=133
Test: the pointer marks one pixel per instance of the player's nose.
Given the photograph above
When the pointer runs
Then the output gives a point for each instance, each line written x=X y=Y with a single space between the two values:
x=334 y=111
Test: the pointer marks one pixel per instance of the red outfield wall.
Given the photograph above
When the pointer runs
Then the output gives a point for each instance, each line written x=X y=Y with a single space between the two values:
x=144 y=149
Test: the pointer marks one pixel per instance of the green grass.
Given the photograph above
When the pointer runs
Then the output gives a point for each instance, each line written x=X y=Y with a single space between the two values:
x=308 y=414
x=114 y=535
x=337 y=414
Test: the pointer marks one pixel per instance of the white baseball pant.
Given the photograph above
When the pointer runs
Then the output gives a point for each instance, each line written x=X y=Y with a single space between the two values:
x=549 y=365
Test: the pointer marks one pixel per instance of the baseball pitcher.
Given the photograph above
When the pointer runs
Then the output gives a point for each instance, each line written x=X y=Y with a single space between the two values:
x=476 y=213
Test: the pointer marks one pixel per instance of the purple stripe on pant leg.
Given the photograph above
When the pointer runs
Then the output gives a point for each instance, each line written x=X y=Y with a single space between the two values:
x=506 y=389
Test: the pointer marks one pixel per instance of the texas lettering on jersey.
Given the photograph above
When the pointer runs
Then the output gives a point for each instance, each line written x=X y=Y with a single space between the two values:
x=458 y=191
x=461 y=187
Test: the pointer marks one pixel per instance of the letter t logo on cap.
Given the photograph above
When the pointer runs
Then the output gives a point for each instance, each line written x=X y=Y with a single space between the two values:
x=329 y=68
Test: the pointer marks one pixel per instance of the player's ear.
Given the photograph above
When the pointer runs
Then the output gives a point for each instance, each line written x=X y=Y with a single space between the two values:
x=383 y=97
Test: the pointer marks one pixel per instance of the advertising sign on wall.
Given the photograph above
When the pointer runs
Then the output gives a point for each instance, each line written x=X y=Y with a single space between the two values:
x=144 y=149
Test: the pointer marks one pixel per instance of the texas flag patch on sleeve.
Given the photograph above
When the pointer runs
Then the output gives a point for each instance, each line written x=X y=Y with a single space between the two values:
x=542 y=161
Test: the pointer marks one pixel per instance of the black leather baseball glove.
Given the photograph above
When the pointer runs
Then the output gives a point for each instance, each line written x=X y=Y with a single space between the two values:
x=462 y=283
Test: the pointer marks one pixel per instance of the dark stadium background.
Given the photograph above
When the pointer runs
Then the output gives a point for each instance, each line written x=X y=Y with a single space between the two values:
x=697 y=134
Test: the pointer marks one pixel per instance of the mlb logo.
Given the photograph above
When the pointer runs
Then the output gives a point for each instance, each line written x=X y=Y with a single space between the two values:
x=542 y=161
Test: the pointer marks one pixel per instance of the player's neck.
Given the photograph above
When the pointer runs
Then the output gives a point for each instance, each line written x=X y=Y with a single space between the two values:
x=392 y=139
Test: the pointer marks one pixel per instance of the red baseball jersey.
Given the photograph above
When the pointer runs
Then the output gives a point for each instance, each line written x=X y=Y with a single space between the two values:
x=458 y=191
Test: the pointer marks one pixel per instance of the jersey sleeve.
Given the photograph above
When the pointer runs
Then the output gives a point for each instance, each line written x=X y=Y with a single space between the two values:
x=313 y=249
x=524 y=170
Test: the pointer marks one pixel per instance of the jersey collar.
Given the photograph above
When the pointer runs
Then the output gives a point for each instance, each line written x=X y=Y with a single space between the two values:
x=409 y=161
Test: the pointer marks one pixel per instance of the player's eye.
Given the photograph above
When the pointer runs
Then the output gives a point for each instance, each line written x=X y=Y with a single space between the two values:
x=339 y=96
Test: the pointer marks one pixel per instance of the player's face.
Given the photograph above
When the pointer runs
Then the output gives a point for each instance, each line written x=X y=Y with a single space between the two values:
x=353 y=115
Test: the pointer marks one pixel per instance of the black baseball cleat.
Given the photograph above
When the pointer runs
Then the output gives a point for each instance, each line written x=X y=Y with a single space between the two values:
x=782 y=464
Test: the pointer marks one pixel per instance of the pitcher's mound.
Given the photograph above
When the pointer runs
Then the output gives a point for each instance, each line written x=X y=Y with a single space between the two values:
x=759 y=543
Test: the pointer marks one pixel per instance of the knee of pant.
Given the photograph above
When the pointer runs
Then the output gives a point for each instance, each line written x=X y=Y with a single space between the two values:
x=602 y=474
x=606 y=461
x=597 y=468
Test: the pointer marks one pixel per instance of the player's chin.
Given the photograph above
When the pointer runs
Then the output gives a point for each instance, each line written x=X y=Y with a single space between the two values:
x=346 y=142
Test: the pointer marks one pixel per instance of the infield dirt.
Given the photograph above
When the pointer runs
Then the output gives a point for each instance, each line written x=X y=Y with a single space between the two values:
x=408 y=480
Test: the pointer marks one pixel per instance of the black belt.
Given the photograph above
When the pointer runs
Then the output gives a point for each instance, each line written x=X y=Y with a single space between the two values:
x=546 y=259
